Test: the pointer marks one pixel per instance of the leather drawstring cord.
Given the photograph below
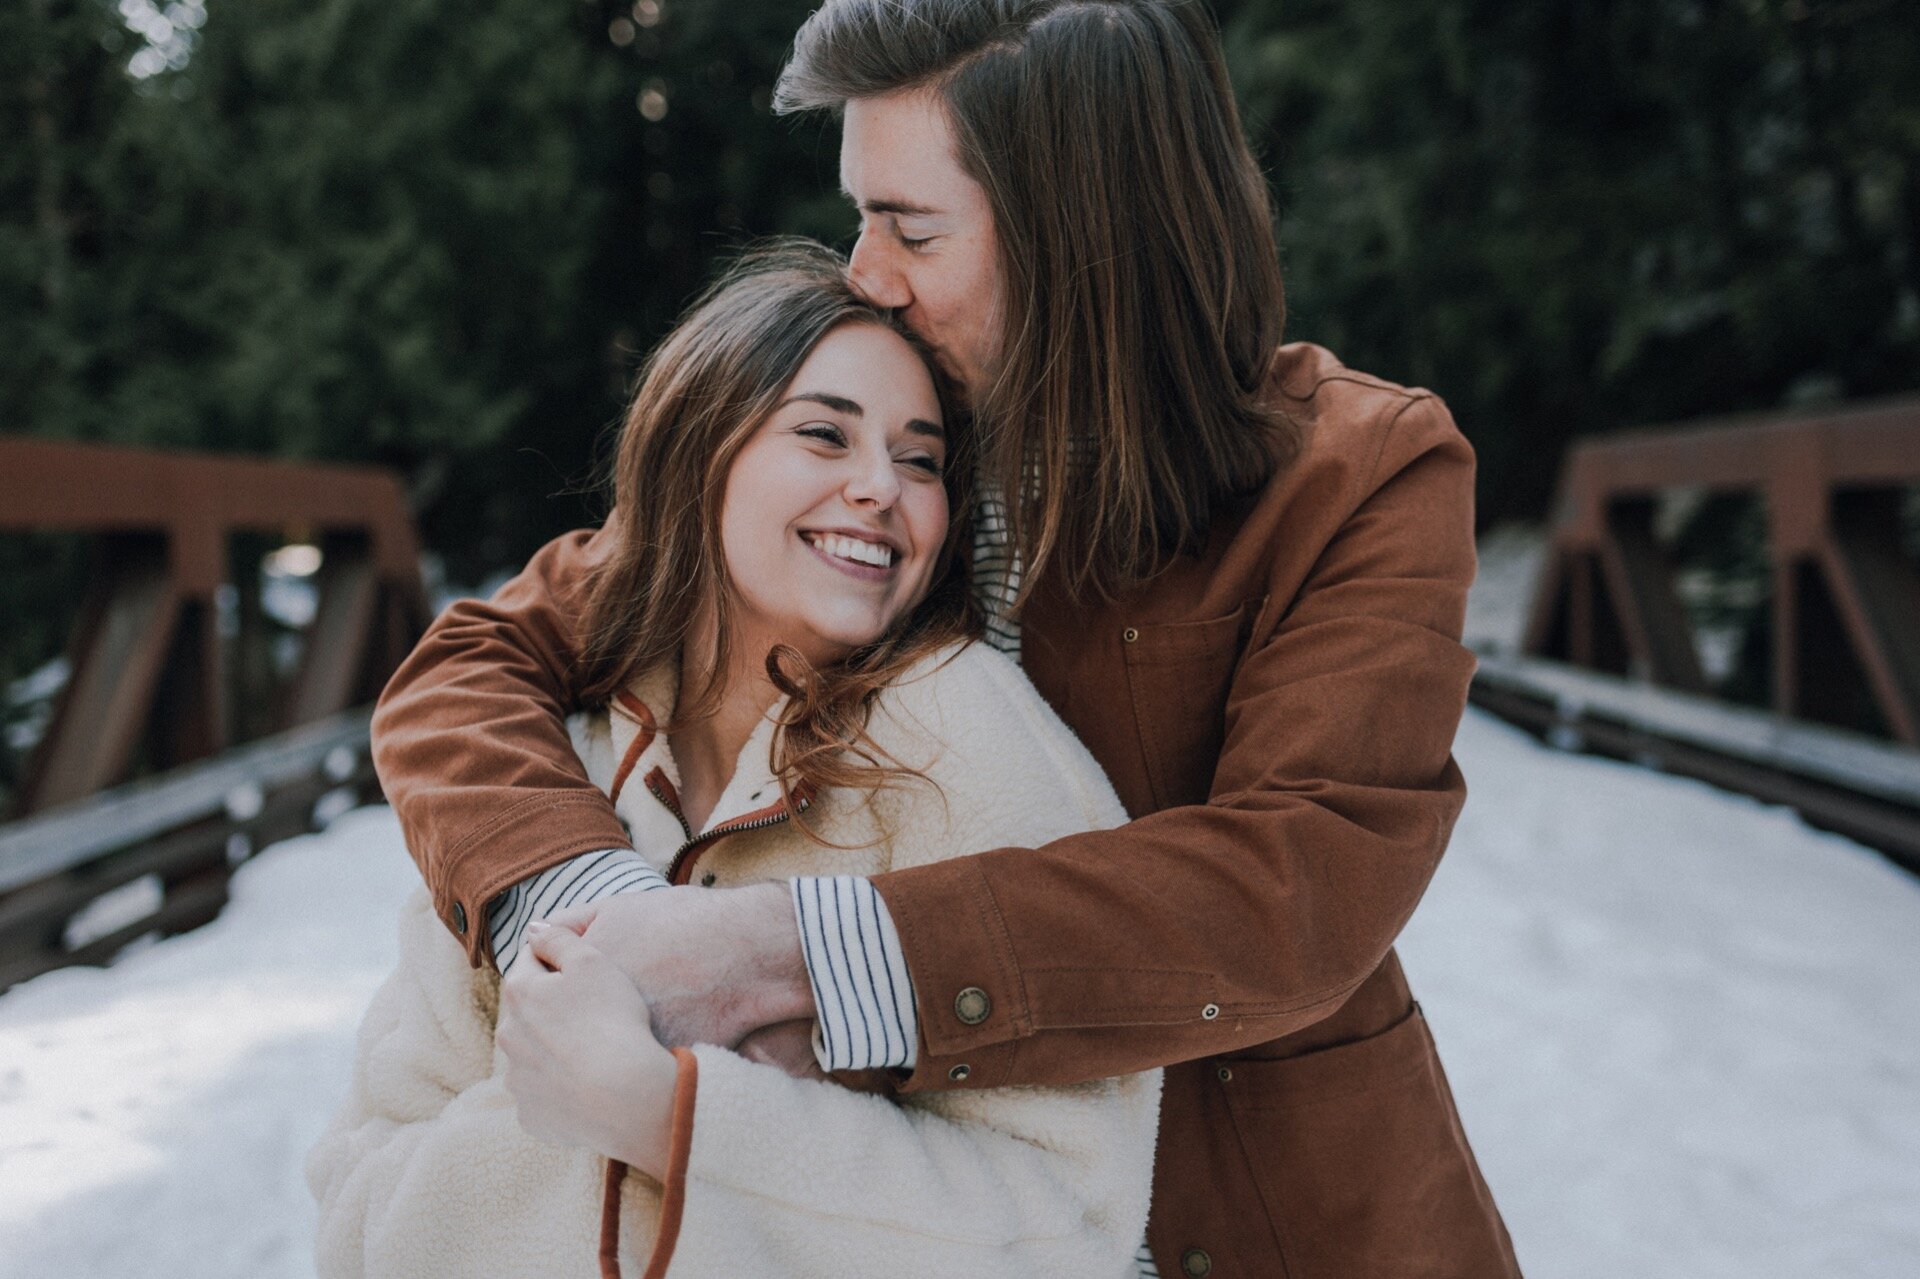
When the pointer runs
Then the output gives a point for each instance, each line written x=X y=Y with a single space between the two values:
x=610 y=1220
x=674 y=1192
x=616 y=1169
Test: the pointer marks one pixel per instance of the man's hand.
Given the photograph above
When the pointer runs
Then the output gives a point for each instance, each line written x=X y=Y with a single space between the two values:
x=714 y=965
x=582 y=1068
x=789 y=1047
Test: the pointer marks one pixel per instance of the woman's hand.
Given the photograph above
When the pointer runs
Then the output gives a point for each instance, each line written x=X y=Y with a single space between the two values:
x=583 y=1065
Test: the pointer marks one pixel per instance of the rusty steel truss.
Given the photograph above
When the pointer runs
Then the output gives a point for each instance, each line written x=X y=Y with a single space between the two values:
x=1845 y=594
x=148 y=676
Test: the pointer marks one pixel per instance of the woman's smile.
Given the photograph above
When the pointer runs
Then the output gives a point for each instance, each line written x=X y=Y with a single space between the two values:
x=864 y=557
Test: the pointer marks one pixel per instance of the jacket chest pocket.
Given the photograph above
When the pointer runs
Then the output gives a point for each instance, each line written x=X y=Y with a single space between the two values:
x=1178 y=674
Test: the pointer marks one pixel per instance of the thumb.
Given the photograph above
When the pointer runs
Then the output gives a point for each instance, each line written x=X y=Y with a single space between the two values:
x=559 y=949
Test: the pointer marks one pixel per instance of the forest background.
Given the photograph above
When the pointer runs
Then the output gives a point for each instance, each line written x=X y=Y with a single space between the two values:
x=440 y=237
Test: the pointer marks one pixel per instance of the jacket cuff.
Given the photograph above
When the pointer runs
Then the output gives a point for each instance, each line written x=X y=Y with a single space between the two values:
x=862 y=989
x=531 y=837
x=972 y=999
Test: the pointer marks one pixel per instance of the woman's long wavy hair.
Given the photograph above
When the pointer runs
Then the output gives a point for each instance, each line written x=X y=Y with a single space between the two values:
x=702 y=394
x=1137 y=256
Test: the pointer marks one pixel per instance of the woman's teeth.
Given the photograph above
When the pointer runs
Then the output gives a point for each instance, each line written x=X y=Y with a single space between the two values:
x=852 y=548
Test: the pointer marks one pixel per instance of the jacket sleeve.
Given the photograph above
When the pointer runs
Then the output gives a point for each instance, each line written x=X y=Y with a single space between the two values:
x=806 y=1179
x=425 y=1169
x=1204 y=929
x=472 y=750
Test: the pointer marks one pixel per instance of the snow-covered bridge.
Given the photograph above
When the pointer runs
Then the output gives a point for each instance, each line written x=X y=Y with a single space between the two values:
x=1683 y=1027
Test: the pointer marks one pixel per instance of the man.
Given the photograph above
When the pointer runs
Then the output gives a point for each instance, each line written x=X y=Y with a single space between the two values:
x=1238 y=570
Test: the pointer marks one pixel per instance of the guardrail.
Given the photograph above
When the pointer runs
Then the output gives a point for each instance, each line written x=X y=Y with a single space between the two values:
x=80 y=882
x=1861 y=787
x=151 y=668
x=1844 y=627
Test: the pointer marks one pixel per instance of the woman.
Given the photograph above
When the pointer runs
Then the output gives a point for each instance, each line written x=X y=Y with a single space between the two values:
x=785 y=683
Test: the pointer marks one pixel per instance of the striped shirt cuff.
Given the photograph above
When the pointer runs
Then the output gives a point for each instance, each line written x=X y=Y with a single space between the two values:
x=867 y=1015
x=586 y=878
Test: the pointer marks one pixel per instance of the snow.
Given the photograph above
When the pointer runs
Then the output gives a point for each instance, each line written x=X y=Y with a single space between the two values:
x=1512 y=557
x=1682 y=1027
x=154 y=1115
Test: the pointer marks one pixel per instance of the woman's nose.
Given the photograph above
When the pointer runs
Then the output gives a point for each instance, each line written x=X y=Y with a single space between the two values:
x=874 y=276
x=874 y=482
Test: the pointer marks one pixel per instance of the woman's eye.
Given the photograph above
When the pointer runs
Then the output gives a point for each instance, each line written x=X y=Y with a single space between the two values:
x=931 y=465
x=822 y=431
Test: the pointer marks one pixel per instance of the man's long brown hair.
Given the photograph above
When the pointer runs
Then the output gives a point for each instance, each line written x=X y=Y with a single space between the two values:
x=1142 y=282
x=703 y=393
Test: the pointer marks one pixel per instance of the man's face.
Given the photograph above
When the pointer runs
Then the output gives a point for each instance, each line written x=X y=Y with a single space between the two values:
x=926 y=246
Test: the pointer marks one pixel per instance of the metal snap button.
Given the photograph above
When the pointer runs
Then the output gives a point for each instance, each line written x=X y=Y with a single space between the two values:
x=959 y=1073
x=1196 y=1263
x=459 y=919
x=1210 y=1012
x=1224 y=1074
x=1130 y=635
x=972 y=1006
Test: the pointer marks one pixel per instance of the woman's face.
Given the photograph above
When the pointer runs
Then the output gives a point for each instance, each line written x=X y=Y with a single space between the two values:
x=835 y=511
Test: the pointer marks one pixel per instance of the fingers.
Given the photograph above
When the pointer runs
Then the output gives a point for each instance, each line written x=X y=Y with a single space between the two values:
x=576 y=919
x=558 y=948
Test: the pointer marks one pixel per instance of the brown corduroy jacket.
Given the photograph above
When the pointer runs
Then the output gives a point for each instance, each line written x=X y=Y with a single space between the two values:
x=1277 y=714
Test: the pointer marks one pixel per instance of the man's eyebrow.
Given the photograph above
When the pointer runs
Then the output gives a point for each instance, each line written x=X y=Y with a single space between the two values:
x=900 y=208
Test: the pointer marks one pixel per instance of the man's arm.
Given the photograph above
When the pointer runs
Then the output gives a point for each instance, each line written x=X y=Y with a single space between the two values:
x=1203 y=929
x=471 y=744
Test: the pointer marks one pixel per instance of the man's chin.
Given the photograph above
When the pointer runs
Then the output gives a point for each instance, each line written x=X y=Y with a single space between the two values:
x=959 y=388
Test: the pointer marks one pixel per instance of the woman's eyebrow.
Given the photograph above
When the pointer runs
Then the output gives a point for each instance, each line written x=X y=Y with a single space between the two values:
x=838 y=403
x=841 y=404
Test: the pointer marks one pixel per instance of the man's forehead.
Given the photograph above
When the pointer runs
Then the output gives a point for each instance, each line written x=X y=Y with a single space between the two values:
x=896 y=155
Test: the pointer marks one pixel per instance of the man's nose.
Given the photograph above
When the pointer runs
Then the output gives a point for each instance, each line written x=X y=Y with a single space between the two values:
x=874 y=276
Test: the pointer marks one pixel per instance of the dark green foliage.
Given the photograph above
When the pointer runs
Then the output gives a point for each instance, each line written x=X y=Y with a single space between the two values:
x=1572 y=215
x=440 y=236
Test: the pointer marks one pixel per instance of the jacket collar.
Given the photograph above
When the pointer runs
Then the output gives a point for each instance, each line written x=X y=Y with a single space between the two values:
x=636 y=717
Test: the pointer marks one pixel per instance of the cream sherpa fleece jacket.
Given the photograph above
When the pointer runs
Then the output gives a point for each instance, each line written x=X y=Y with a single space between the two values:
x=425 y=1171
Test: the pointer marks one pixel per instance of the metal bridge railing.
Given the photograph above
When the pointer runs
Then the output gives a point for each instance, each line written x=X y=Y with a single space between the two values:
x=80 y=882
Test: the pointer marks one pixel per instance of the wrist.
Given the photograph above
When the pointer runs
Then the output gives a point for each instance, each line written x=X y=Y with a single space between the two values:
x=781 y=989
x=647 y=1144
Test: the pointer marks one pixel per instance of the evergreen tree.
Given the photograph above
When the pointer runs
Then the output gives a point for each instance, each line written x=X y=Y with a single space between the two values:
x=1570 y=216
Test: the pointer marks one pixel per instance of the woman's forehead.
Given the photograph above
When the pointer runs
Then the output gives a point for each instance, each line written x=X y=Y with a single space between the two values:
x=869 y=372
